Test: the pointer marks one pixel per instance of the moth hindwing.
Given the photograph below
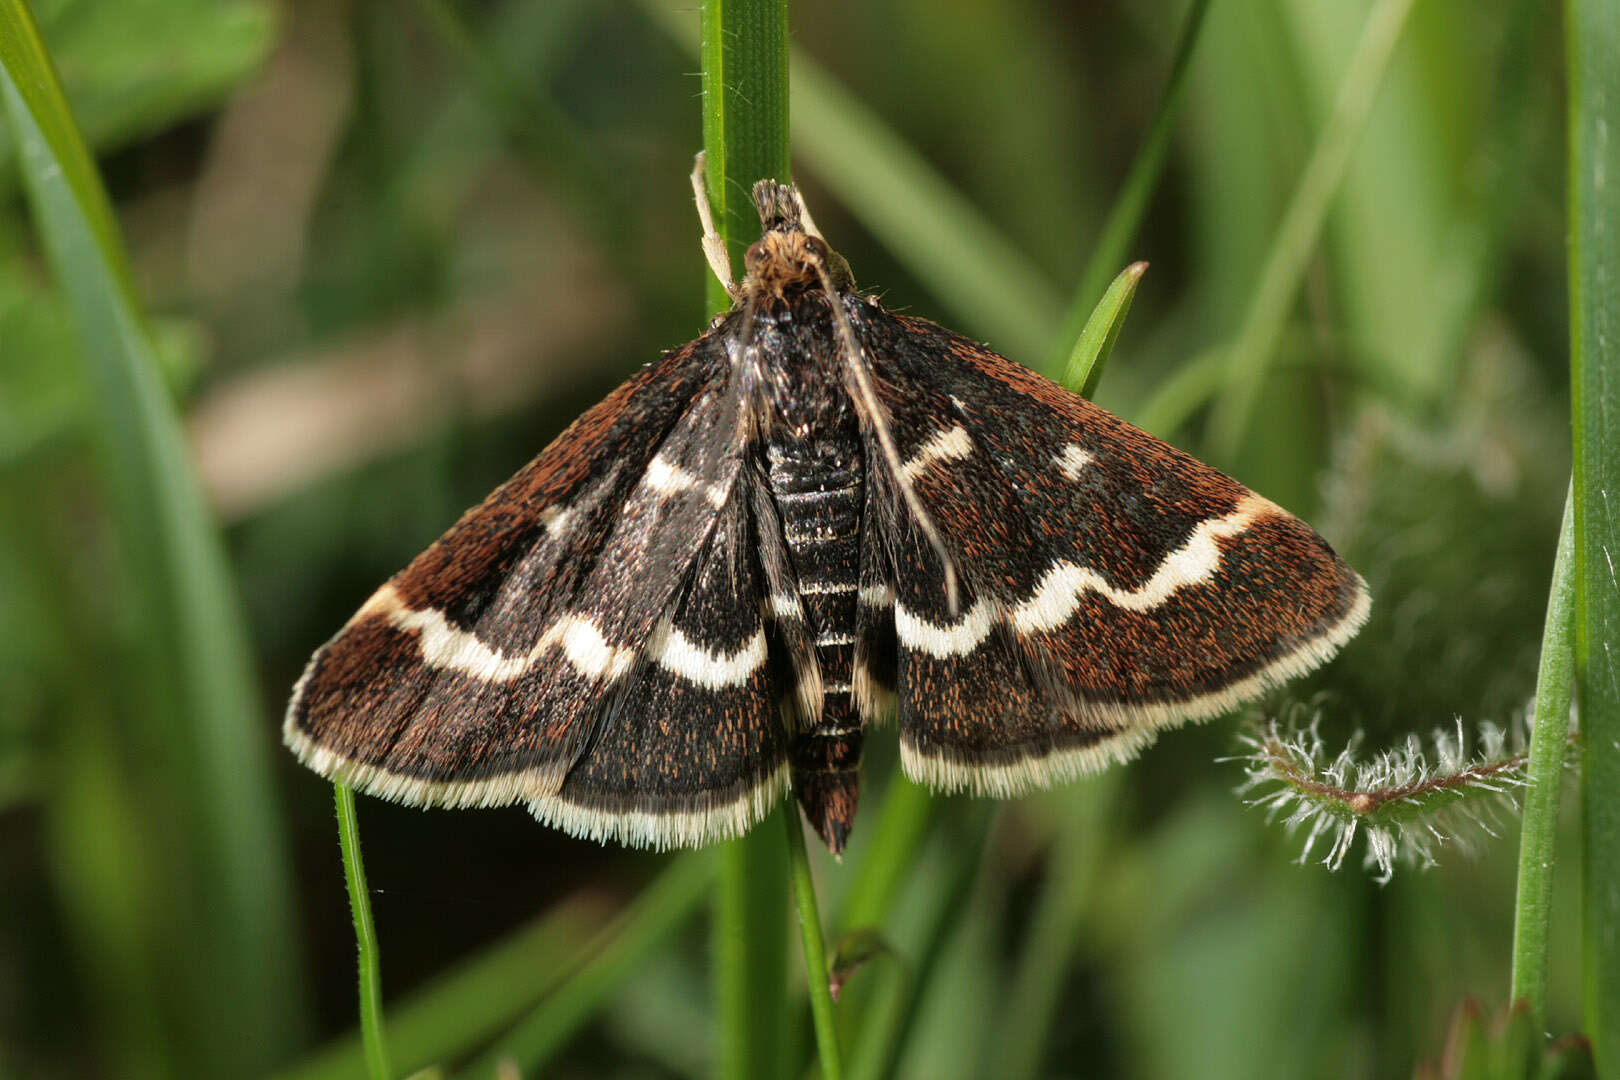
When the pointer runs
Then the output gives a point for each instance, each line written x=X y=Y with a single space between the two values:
x=815 y=515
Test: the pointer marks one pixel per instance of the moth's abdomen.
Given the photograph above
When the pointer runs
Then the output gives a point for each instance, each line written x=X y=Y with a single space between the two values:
x=817 y=487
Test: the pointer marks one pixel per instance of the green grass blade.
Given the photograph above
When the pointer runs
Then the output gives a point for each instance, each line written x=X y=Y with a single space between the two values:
x=894 y=835
x=928 y=225
x=1075 y=857
x=901 y=199
x=1125 y=216
x=744 y=56
x=815 y=951
x=539 y=132
x=1593 y=72
x=624 y=947
x=460 y=1010
x=197 y=694
x=1532 y=923
x=365 y=935
x=896 y=1001
x=1096 y=341
x=751 y=952
x=1301 y=226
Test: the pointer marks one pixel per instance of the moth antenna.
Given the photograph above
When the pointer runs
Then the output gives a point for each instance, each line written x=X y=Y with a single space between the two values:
x=874 y=410
x=714 y=245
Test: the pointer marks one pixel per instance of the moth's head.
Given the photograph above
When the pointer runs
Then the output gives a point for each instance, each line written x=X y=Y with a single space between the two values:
x=790 y=253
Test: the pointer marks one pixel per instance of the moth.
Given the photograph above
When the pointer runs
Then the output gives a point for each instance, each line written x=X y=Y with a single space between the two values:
x=818 y=515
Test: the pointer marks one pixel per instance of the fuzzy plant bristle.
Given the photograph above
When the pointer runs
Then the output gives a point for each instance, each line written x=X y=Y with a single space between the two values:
x=1407 y=801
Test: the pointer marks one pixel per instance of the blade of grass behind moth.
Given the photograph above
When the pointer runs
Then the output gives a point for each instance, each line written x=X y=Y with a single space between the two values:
x=1249 y=355
x=372 y=1035
x=542 y=135
x=617 y=954
x=1065 y=898
x=196 y=674
x=815 y=951
x=902 y=200
x=1592 y=72
x=1096 y=341
x=744 y=56
x=1471 y=258
x=1125 y=216
x=1424 y=358
x=891 y=844
x=461 y=1009
x=899 y=991
x=881 y=859
x=1532 y=922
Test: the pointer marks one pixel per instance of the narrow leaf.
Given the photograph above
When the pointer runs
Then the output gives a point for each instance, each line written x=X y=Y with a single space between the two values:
x=365 y=935
x=1532 y=924
x=1593 y=42
x=197 y=689
x=1096 y=341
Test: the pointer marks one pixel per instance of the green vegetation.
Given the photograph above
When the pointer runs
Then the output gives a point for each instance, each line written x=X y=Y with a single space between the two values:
x=284 y=288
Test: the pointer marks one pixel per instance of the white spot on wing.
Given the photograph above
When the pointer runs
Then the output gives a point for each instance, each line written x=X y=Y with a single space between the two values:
x=680 y=655
x=784 y=606
x=1073 y=460
x=556 y=519
x=585 y=648
x=667 y=478
x=878 y=596
x=945 y=446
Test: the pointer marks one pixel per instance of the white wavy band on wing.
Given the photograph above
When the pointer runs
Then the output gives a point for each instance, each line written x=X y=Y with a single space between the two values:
x=944 y=639
x=1137 y=723
x=680 y=655
x=453 y=649
x=1064 y=586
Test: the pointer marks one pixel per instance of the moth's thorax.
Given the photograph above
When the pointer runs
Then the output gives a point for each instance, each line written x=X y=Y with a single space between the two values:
x=793 y=345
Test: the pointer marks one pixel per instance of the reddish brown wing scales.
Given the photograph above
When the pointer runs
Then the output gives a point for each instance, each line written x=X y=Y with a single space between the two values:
x=1114 y=583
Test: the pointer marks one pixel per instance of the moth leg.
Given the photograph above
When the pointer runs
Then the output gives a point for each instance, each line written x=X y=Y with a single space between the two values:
x=714 y=245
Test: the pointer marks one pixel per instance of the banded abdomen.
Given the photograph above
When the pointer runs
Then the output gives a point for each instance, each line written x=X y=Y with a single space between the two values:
x=816 y=484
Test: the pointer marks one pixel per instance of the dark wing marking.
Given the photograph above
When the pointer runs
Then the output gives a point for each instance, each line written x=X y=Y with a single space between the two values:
x=1133 y=587
x=787 y=620
x=691 y=749
x=982 y=718
x=876 y=660
x=472 y=677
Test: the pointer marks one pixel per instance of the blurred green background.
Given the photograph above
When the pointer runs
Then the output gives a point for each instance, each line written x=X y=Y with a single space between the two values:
x=390 y=249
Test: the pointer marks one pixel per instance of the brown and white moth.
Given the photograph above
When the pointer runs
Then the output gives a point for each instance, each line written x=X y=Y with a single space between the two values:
x=818 y=514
